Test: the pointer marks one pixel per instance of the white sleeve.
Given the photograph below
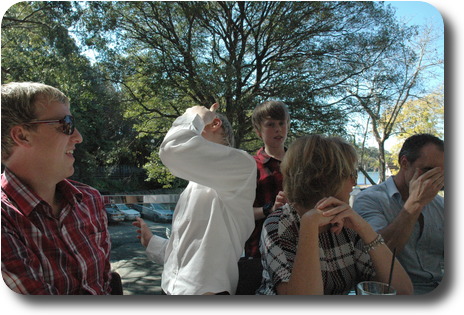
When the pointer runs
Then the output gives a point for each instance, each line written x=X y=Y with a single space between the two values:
x=156 y=249
x=190 y=156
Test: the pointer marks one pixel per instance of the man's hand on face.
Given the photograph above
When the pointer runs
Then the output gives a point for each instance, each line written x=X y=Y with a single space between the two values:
x=424 y=186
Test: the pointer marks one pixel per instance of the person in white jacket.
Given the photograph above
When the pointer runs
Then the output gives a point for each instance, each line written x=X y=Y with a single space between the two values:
x=214 y=215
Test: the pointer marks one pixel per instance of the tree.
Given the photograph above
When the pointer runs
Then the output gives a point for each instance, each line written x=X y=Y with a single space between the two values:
x=36 y=46
x=167 y=56
x=382 y=91
x=424 y=115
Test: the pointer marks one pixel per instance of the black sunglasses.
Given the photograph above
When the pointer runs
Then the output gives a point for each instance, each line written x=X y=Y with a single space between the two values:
x=67 y=123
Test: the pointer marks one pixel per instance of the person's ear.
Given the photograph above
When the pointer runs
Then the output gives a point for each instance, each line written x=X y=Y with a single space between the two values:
x=404 y=163
x=258 y=133
x=20 y=135
x=216 y=124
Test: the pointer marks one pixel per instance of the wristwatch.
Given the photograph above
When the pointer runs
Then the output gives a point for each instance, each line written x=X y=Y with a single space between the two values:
x=267 y=209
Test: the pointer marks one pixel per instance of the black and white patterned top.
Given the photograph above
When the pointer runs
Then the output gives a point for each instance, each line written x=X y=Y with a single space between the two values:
x=343 y=262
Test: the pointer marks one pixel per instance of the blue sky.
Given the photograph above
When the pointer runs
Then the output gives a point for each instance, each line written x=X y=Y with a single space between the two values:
x=417 y=12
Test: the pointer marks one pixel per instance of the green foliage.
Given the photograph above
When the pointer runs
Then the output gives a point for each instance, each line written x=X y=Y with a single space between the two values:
x=369 y=160
x=395 y=77
x=424 y=115
x=154 y=59
x=168 y=56
x=36 y=46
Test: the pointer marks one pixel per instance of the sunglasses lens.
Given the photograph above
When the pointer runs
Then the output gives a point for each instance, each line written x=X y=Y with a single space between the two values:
x=68 y=125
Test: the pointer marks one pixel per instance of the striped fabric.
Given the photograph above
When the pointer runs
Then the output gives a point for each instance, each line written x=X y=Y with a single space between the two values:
x=42 y=254
x=343 y=263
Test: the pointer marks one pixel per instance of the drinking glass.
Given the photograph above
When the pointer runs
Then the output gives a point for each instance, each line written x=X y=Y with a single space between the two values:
x=374 y=288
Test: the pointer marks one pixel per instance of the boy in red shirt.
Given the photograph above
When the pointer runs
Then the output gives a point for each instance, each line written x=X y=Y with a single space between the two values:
x=271 y=122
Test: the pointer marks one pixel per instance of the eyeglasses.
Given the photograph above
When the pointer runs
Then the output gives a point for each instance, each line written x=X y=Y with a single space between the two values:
x=67 y=123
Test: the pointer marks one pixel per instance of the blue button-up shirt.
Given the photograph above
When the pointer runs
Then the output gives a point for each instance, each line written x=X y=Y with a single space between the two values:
x=423 y=254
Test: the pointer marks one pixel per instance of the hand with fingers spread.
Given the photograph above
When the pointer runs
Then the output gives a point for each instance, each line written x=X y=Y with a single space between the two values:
x=424 y=186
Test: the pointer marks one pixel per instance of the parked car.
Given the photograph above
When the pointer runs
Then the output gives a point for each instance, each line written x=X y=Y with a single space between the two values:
x=157 y=212
x=130 y=214
x=114 y=215
x=136 y=206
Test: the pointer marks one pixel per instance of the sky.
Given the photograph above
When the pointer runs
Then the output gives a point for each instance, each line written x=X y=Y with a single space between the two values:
x=417 y=12
x=447 y=300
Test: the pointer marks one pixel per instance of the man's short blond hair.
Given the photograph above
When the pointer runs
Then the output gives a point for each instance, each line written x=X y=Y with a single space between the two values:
x=19 y=106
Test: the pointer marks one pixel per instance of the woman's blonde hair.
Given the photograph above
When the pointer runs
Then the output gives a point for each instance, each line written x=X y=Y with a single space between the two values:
x=315 y=167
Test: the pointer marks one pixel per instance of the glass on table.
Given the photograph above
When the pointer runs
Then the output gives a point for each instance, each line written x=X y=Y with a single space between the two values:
x=374 y=288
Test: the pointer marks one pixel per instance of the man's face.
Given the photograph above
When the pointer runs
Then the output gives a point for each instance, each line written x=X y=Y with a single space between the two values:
x=430 y=157
x=52 y=150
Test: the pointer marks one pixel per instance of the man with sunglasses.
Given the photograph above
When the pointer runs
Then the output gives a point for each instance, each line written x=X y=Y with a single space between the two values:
x=407 y=210
x=54 y=230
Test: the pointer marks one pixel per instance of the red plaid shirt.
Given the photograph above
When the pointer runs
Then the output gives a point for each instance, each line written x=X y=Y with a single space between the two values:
x=268 y=185
x=42 y=254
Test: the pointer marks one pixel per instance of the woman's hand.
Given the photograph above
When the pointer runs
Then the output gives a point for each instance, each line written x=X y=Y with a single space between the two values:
x=280 y=200
x=341 y=214
x=316 y=217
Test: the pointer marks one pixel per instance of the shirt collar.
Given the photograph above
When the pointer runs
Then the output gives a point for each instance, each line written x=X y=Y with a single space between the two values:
x=263 y=157
x=391 y=188
x=26 y=199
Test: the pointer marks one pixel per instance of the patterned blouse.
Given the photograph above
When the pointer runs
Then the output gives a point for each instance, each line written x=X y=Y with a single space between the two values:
x=343 y=262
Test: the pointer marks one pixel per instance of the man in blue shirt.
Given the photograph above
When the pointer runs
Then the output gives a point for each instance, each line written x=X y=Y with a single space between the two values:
x=407 y=210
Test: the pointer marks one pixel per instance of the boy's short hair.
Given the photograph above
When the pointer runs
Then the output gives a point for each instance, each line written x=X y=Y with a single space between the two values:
x=269 y=110
x=19 y=106
x=315 y=167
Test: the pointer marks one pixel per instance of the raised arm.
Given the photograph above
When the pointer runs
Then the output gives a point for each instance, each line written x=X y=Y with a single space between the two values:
x=190 y=156
x=422 y=190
